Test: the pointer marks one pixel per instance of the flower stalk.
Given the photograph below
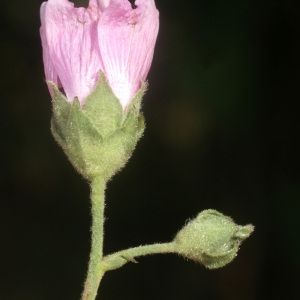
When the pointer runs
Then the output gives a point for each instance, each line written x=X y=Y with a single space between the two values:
x=95 y=269
x=120 y=258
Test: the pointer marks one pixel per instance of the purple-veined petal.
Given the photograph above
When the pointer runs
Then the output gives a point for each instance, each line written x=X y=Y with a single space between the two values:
x=70 y=45
x=127 y=38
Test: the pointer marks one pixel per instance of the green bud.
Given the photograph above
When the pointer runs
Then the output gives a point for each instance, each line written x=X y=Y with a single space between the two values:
x=211 y=239
x=97 y=137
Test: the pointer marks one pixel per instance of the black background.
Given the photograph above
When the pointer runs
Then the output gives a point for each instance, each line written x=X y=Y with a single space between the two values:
x=222 y=130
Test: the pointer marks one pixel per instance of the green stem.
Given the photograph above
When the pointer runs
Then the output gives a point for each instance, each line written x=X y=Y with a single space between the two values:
x=120 y=258
x=95 y=270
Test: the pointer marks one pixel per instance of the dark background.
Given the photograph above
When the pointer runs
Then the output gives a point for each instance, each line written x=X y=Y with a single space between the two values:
x=222 y=130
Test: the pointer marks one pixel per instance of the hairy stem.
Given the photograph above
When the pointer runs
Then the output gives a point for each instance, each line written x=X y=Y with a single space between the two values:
x=95 y=269
x=120 y=258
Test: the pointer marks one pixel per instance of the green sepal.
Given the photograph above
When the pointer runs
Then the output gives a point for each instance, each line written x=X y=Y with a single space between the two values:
x=211 y=239
x=99 y=136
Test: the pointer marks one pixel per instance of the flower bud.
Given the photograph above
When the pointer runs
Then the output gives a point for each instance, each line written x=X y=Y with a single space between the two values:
x=211 y=239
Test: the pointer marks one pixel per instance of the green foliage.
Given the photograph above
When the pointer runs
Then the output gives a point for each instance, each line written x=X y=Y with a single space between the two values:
x=98 y=137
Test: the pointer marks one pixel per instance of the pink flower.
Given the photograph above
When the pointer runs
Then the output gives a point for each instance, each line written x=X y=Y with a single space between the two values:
x=113 y=36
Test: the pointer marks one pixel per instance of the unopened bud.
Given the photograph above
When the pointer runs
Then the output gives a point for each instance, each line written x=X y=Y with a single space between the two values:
x=211 y=239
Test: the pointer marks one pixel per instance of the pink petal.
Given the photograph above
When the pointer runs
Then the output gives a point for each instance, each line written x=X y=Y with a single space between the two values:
x=103 y=4
x=50 y=72
x=69 y=39
x=127 y=38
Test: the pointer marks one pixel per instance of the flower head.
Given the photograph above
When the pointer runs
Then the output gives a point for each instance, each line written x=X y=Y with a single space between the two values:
x=112 y=36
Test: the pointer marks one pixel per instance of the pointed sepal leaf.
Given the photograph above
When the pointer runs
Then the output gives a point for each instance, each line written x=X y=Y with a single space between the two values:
x=99 y=136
